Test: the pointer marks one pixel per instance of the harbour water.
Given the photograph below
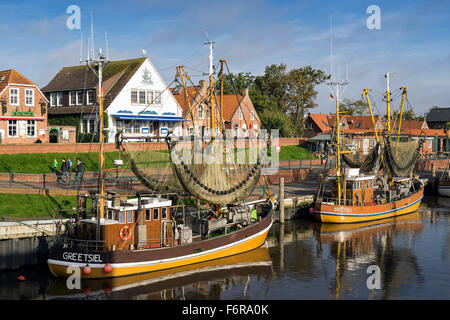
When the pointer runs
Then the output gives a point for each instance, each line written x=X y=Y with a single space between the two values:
x=398 y=259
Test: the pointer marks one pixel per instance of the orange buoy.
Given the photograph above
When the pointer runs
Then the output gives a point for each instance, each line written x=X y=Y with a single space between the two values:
x=107 y=268
x=87 y=269
x=21 y=278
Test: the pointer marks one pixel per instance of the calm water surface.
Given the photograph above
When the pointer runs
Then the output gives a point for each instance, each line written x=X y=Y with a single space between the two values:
x=303 y=260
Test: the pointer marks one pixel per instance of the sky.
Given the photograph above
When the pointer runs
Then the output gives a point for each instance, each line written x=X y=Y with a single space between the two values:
x=411 y=44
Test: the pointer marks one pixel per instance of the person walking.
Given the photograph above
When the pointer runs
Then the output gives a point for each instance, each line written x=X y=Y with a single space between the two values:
x=64 y=168
x=55 y=165
x=80 y=171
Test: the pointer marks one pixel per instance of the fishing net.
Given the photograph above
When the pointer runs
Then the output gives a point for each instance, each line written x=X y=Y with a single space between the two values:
x=218 y=171
x=401 y=156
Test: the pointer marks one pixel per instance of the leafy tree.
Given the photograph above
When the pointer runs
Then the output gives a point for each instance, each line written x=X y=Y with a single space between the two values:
x=289 y=92
x=235 y=83
x=357 y=107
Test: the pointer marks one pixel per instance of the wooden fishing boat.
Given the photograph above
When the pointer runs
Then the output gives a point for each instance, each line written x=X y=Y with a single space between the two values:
x=382 y=186
x=444 y=182
x=140 y=236
x=365 y=201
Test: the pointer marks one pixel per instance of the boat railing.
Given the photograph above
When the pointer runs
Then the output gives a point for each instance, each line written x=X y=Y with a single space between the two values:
x=81 y=245
x=350 y=202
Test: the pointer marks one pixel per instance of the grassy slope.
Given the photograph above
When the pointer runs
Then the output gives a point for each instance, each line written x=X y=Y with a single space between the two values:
x=33 y=205
x=41 y=162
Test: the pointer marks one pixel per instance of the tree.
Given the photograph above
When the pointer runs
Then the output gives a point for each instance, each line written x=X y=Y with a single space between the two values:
x=357 y=107
x=235 y=83
x=290 y=92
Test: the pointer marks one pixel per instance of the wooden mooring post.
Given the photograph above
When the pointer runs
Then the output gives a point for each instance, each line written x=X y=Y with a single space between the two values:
x=281 y=206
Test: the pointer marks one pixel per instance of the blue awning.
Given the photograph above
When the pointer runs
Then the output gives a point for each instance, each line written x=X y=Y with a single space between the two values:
x=148 y=118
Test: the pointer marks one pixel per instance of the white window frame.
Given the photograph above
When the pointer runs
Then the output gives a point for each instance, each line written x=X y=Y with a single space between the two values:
x=79 y=103
x=144 y=97
x=53 y=99
x=130 y=216
x=90 y=102
x=27 y=96
x=59 y=98
x=201 y=112
x=240 y=114
x=31 y=124
x=163 y=213
x=71 y=93
x=16 y=125
x=16 y=96
x=252 y=115
x=131 y=97
x=148 y=214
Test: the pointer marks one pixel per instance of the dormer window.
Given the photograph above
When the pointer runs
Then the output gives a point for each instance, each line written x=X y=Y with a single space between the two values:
x=53 y=99
x=79 y=98
x=90 y=97
x=59 y=99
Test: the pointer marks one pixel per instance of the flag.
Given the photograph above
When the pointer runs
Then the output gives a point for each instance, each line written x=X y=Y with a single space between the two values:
x=331 y=97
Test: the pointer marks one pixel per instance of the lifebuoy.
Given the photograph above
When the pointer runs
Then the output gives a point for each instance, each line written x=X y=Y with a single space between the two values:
x=128 y=233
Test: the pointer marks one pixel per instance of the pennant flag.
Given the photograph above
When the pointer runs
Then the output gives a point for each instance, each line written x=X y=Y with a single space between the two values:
x=331 y=97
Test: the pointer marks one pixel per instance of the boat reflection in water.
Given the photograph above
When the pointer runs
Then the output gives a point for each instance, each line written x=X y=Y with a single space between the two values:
x=201 y=280
x=360 y=245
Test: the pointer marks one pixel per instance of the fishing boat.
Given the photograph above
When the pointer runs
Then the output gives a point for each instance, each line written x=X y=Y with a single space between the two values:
x=382 y=186
x=155 y=230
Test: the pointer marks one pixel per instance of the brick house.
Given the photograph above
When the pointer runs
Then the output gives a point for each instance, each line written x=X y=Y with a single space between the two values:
x=238 y=111
x=136 y=100
x=23 y=116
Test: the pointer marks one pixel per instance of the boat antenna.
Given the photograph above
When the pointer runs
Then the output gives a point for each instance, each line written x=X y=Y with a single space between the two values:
x=334 y=87
x=106 y=40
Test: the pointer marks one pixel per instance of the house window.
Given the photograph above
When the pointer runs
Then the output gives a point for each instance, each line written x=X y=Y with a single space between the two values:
x=12 y=128
x=155 y=214
x=240 y=114
x=148 y=215
x=59 y=99
x=200 y=112
x=164 y=213
x=134 y=97
x=136 y=127
x=252 y=115
x=150 y=97
x=157 y=97
x=31 y=128
x=191 y=130
x=89 y=126
x=53 y=99
x=29 y=97
x=72 y=98
x=79 y=98
x=14 y=97
x=142 y=97
x=90 y=97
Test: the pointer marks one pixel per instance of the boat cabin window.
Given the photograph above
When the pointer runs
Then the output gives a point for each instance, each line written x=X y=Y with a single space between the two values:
x=129 y=216
x=164 y=213
x=148 y=215
x=156 y=214
x=122 y=217
x=111 y=215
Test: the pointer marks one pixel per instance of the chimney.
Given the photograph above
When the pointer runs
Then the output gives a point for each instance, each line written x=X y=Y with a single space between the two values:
x=202 y=83
x=245 y=92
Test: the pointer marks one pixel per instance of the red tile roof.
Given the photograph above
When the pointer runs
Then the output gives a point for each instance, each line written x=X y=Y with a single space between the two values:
x=12 y=76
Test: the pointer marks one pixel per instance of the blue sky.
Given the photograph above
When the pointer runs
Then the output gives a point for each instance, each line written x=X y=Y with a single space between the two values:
x=412 y=44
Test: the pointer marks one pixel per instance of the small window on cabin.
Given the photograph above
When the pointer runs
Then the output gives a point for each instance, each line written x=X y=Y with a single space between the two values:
x=164 y=213
x=129 y=216
x=122 y=216
x=155 y=214
x=148 y=215
x=358 y=125
x=114 y=215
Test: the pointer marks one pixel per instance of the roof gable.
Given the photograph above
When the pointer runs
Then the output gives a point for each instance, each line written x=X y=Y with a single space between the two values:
x=12 y=76
x=116 y=75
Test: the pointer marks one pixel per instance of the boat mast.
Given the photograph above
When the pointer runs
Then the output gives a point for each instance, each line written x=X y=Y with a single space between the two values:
x=211 y=86
x=388 y=99
x=101 y=61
